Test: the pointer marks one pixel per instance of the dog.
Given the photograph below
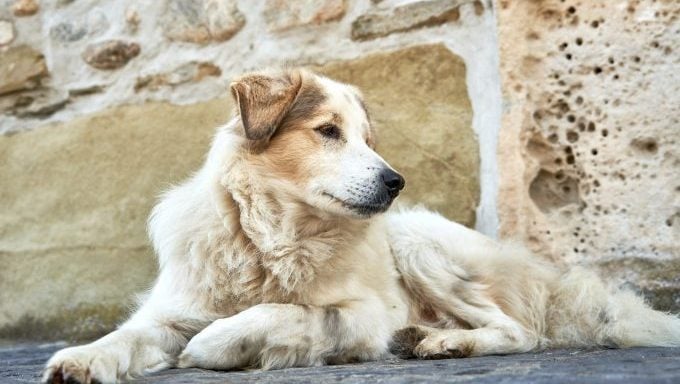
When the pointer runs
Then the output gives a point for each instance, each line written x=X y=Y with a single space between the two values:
x=281 y=252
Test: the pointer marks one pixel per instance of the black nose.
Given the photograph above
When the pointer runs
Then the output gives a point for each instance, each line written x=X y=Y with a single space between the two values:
x=393 y=181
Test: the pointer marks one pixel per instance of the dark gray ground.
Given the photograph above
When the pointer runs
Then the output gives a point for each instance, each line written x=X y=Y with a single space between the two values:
x=22 y=364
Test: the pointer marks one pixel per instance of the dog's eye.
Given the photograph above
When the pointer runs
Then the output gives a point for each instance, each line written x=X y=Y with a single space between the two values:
x=330 y=131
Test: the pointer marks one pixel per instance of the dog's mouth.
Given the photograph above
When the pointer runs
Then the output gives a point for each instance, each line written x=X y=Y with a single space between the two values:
x=363 y=208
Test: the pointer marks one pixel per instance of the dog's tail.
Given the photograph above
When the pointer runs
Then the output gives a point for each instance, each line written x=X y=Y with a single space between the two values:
x=583 y=311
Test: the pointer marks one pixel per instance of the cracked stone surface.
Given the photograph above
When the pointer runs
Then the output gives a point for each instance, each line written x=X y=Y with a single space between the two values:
x=23 y=364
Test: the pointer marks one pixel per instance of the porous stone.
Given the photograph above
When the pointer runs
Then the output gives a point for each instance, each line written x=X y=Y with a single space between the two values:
x=187 y=73
x=202 y=21
x=73 y=245
x=384 y=21
x=418 y=102
x=589 y=156
x=110 y=54
x=6 y=32
x=21 y=68
x=281 y=15
x=25 y=8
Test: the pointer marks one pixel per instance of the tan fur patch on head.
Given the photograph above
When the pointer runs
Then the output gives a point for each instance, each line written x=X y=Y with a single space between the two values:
x=264 y=99
x=286 y=155
x=311 y=97
x=295 y=140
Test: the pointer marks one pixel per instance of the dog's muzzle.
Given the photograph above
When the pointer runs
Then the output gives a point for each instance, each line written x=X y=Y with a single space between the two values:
x=385 y=193
x=384 y=190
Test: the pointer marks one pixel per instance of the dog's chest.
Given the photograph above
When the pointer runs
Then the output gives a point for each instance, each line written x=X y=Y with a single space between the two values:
x=305 y=275
x=239 y=280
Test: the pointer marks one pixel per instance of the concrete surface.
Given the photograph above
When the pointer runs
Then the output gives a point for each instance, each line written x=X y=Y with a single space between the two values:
x=23 y=363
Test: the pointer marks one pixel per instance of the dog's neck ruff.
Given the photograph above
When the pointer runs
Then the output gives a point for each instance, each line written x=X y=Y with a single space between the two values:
x=288 y=240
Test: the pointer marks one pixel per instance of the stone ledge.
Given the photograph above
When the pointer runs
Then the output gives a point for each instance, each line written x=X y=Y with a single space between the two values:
x=22 y=364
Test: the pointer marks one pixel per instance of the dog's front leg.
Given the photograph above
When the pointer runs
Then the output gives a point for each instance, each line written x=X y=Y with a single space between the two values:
x=148 y=342
x=274 y=336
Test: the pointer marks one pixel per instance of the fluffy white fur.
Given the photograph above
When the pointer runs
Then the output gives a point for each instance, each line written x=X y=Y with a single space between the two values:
x=257 y=269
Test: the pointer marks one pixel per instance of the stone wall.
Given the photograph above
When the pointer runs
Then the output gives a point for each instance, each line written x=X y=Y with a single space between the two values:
x=590 y=154
x=106 y=103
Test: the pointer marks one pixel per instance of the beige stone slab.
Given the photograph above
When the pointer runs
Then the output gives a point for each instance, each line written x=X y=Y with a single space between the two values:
x=21 y=68
x=74 y=200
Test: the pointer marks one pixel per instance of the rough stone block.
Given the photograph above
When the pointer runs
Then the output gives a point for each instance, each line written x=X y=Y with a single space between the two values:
x=186 y=73
x=111 y=54
x=282 y=15
x=202 y=21
x=384 y=21
x=25 y=8
x=589 y=146
x=21 y=68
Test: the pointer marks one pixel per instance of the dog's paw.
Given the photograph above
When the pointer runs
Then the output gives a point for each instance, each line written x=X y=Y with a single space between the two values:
x=80 y=365
x=444 y=345
x=405 y=341
x=222 y=345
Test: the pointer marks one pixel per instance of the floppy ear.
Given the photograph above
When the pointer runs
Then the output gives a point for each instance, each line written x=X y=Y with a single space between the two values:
x=263 y=101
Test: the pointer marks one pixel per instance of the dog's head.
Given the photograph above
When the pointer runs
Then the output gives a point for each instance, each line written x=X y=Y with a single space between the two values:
x=310 y=138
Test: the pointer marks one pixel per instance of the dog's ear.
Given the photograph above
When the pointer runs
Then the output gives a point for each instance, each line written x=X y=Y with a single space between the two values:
x=263 y=100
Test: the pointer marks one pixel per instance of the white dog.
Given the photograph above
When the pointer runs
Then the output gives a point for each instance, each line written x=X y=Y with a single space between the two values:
x=278 y=253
